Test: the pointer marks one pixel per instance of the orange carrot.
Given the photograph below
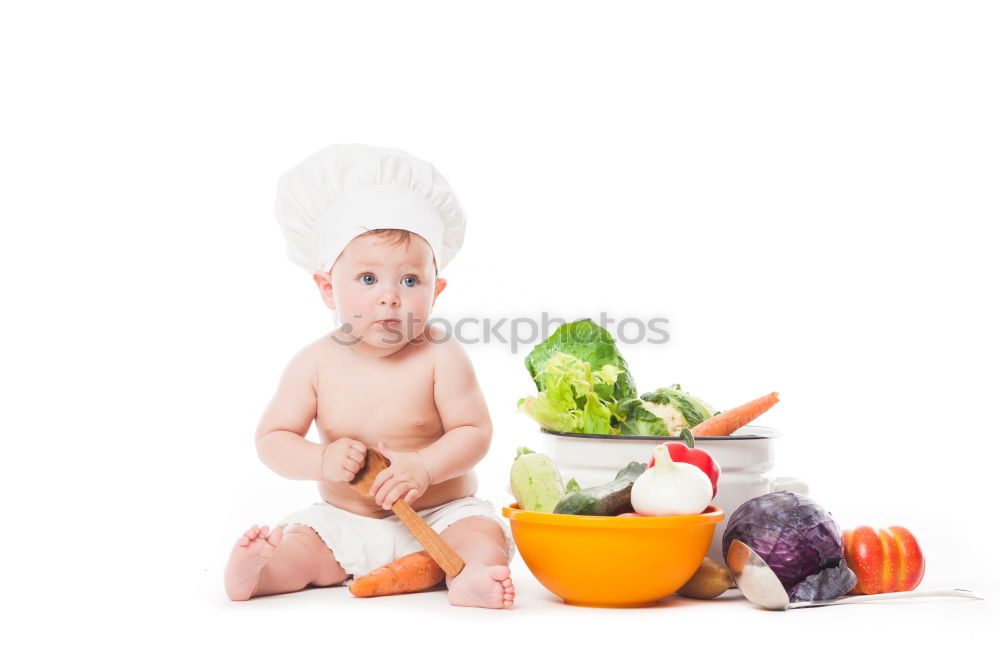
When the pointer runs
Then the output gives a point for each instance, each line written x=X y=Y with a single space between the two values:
x=729 y=422
x=411 y=573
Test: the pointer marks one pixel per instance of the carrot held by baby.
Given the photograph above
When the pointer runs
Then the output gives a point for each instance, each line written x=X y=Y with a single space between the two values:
x=411 y=573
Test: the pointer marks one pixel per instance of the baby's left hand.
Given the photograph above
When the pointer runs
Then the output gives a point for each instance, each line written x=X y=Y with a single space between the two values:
x=405 y=477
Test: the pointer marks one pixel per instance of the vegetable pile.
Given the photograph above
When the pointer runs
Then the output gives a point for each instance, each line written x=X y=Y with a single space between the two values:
x=584 y=386
x=667 y=489
x=538 y=486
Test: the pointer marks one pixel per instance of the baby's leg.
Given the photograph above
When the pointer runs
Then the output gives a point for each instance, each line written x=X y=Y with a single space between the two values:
x=485 y=580
x=265 y=562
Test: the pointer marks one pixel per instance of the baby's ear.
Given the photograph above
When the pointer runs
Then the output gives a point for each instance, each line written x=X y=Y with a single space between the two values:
x=439 y=287
x=322 y=281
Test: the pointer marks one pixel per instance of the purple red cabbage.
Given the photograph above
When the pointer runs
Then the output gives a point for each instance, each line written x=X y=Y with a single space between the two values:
x=798 y=539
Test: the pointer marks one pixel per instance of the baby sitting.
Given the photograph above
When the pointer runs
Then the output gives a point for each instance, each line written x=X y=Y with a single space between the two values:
x=374 y=226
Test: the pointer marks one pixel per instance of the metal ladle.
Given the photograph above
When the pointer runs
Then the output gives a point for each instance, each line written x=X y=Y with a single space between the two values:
x=758 y=583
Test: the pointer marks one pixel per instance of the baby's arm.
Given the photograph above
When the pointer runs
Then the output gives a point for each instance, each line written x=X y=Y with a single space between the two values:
x=281 y=442
x=464 y=416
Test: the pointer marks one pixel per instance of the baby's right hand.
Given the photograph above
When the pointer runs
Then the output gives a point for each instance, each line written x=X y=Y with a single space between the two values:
x=343 y=458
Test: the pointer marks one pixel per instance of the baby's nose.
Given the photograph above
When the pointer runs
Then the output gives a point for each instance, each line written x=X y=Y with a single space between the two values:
x=389 y=297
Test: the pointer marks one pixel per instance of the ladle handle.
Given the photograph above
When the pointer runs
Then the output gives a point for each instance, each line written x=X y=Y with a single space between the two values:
x=861 y=598
x=436 y=547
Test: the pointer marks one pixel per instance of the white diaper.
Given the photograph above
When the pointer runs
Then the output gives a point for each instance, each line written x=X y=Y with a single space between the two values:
x=360 y=543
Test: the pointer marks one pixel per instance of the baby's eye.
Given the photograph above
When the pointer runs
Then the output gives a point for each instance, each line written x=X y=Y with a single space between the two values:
x=368 y=279
x=410 y=281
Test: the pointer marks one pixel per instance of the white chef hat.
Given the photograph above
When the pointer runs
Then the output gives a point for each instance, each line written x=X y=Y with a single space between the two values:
x=343 y=191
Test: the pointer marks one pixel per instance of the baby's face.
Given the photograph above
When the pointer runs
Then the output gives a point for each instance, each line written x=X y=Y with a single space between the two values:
x=373 y=281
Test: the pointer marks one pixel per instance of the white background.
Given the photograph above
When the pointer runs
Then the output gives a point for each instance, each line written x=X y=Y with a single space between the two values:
x=806 y=191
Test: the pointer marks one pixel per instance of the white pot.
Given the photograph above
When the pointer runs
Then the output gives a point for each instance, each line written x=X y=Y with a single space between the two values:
x=745 y=459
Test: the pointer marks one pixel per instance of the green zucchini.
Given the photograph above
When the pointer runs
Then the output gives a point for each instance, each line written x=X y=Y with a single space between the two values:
x=610 y=499
x=535 y=481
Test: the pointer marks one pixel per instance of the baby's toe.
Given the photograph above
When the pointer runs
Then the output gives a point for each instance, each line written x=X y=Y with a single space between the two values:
x=499 y=572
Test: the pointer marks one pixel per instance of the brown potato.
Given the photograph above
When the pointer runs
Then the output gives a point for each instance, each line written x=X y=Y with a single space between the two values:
x=709 y=581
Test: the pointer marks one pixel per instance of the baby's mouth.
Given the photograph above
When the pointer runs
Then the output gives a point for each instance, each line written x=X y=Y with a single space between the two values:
x=389 y=323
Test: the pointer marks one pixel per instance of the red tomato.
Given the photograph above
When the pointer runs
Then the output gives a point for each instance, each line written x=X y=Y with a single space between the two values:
x=888 y=560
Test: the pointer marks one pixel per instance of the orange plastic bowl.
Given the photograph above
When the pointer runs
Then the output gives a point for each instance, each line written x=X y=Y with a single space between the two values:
x=610 y=561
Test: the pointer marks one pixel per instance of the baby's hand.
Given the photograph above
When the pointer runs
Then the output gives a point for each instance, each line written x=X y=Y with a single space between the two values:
x=343 y=458
x=405 y=477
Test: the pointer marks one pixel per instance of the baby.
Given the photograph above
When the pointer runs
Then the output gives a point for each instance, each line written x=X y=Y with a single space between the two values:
x=374 y=226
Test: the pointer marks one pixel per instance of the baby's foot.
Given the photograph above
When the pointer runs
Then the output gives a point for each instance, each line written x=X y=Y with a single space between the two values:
x=249 y=556
x=482 y=586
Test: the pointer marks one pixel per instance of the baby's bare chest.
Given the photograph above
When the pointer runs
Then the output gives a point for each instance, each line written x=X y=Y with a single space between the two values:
x=378 y=399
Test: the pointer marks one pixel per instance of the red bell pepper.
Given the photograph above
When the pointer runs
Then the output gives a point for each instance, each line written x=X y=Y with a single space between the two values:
x=686 y=453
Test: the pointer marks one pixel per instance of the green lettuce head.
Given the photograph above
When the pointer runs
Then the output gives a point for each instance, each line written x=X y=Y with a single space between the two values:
x=590 y=343
x=569 y=400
